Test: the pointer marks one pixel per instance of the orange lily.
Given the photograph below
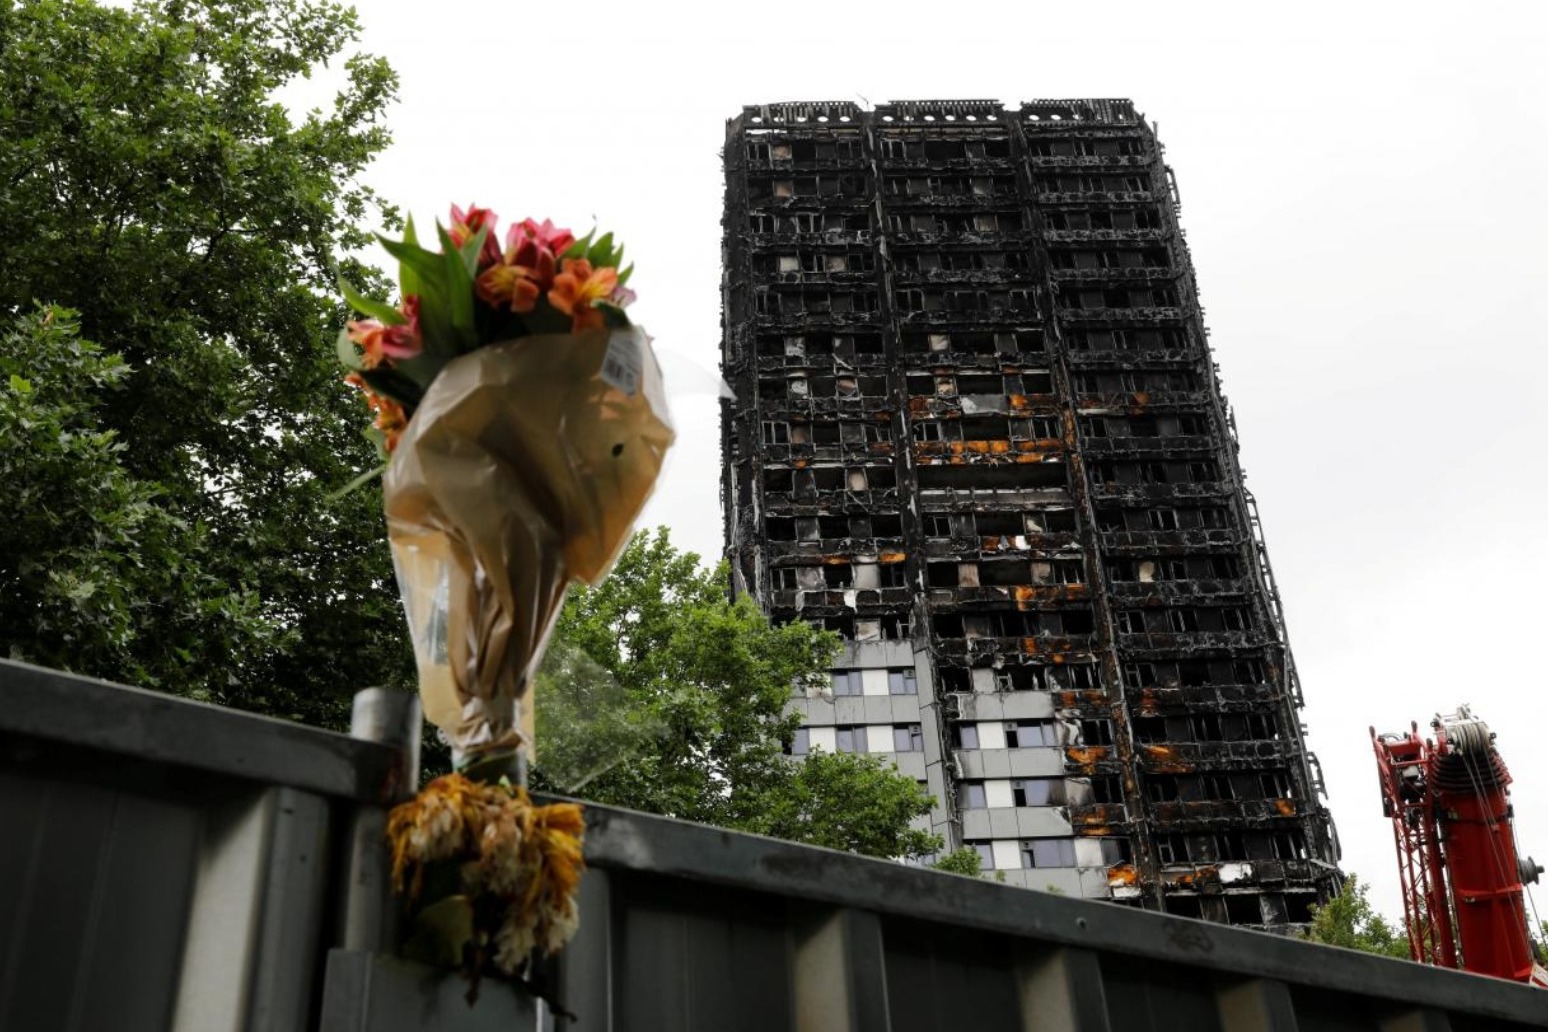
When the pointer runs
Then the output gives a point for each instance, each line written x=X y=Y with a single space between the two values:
x=577 y=289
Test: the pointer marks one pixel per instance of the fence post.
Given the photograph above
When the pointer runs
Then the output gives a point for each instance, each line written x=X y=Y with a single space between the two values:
x=389 y=717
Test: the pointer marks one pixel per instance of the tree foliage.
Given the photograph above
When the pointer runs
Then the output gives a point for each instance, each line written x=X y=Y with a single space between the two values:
x=962 y=861
x=1350 y=921
x=174 y=527
x=679 y=708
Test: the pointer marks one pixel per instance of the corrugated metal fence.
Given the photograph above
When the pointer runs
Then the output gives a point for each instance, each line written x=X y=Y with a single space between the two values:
x=169 y=865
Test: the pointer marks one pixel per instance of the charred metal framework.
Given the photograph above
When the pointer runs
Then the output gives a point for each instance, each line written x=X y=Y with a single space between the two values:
x=978 y=432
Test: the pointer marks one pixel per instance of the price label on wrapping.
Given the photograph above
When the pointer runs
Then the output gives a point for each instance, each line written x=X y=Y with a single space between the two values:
x=623 y=364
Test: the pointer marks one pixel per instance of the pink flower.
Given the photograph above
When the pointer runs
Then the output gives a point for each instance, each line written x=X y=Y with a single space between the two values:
x=527 y=237
x=465 y=226
x=378 y=343
x=527 y=267
x=400 y=342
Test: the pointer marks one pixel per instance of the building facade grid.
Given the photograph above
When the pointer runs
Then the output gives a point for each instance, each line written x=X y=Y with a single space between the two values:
x=978 y=433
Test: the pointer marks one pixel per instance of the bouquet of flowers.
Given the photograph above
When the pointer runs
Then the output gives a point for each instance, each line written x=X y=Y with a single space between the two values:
x=524 y=423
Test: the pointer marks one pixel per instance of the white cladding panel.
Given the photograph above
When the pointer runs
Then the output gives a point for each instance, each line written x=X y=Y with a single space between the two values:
x=879 y=737
x=873 y=682
x=991 y=735
x=997 y=794
x=1007 y=855
x=823 y=738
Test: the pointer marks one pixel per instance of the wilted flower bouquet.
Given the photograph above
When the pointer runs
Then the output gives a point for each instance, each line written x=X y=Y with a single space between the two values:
x=524 y=422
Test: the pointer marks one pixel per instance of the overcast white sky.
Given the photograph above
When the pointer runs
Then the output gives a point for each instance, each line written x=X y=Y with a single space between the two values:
x=1363 y=191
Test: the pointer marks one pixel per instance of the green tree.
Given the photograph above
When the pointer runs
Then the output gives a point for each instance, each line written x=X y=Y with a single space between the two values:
x=684 y=701
x=962 y=861
x=1350 y=921
x=173 y=528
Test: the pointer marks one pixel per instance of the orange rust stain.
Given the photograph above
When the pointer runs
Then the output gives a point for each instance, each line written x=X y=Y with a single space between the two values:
x=881 y=448
x=990 y=543
x=1017 y=401
x=1086 y=755
x=1068 y=700
x=801 y=463
x=892 y=557
x=1164 y=760
x=1142 y=398
x=1147 y=703
x=1122 y=874
x=929 y=448
x=835 y=560
x=1095 y=831
x=1031 y=646
x=1286 y=807
x=917 y=405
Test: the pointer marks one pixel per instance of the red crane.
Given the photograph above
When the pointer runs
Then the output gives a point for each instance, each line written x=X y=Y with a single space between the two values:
x=1461 y=876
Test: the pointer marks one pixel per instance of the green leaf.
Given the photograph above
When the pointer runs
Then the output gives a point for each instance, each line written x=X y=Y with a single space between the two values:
x=459 y=293
x=391 y=383
x=379 y=310
x=422 y=369
x=435 y=324
x=427 y=267
x=363 y=479
x=625 y=273
x=471 y=249
x=580 y=247
x=20 y=385
x=348 y=355
x=599 y=252
x=408 y=279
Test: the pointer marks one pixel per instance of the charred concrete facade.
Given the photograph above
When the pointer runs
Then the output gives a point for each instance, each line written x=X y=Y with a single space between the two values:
x=978 y=432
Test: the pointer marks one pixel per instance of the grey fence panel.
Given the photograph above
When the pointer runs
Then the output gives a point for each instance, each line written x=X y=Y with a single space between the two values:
x=93 y=899
x=949 y=952
x=170 y=865
x=167 y=865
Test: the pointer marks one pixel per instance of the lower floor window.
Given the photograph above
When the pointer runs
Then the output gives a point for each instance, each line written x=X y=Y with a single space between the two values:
x=1054 y=852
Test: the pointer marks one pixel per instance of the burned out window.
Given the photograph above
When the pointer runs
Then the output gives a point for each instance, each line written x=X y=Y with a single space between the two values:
x=928 y=431
x=1020 y=678
x=839 y=575
x=1096 y=732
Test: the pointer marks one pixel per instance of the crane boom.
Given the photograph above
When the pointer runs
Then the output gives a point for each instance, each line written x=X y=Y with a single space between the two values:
x=1462 y=881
